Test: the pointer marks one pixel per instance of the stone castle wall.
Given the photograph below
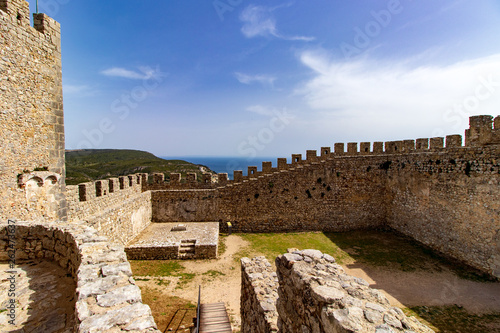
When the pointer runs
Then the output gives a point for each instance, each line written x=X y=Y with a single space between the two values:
x=116 y=207
x=31 y=117
x=435 y=190
x=448 y=200
x=309 y=292
x=184 y=206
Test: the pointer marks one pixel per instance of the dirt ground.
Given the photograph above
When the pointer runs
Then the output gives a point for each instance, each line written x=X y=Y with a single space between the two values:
x=404 y=289
x=224 y=287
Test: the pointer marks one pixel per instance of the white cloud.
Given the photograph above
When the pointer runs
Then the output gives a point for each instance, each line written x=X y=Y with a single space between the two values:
x=370 y=98
x=72 y=89
x=79 y=90
x=262 y=110
x=266 y=80
x=259 y=21
x=144 y=73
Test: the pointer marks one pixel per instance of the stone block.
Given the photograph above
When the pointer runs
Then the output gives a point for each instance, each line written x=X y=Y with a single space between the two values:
x=364 y=148
x=339 y=148
x=352 y=148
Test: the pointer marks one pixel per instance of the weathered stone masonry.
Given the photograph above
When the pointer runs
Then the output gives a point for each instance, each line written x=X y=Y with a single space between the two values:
x=259 y=292
x=31 y=117
x=313 y=294
x=32 y=184
x=106 y=295
x=435 y=190
x=116 y=207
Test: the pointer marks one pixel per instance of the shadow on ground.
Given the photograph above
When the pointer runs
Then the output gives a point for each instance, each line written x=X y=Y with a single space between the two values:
x=447 y=294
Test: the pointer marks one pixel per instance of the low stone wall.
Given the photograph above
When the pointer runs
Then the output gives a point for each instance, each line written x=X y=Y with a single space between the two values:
x=164 y=241
x=106 y=295
x=206 y=251
x=259 y=292
x=169 y=252
x=315 y=295
x=160 y=252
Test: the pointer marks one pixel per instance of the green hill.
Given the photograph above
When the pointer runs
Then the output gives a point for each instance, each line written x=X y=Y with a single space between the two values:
x=86 y=165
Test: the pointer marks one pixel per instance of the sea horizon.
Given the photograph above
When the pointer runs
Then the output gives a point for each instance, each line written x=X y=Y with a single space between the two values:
x=226 y=164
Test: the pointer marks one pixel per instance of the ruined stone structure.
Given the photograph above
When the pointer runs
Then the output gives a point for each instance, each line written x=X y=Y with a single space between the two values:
x=438 y=191
x=310 y=293
x=259 y=293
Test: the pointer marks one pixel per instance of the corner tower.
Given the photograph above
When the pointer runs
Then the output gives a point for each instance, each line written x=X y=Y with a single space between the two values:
x=32 y=164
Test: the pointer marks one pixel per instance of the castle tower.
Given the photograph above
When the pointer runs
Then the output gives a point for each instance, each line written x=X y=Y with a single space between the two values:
x=31 y=116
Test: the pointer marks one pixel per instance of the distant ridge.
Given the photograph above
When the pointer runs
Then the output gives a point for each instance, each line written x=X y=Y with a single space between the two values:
x=84 y=165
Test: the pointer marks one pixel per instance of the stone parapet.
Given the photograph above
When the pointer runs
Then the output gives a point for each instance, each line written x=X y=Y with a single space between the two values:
x=116 y=207
x=106 y=295
x=315 y=295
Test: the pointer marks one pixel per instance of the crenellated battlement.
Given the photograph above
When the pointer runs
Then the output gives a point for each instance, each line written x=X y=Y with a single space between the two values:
x=480 y=133
x=423 y=188
x=117 y=207
x=483 y=130
x=50 y=28
x=100 y=188
x=18 y=13
x=174 y=181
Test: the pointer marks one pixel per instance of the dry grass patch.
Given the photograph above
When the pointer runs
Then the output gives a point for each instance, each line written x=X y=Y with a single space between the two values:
x=156 y=267
x=169 y=311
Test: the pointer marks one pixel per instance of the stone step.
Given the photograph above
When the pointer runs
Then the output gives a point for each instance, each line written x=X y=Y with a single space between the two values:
x=187 y=247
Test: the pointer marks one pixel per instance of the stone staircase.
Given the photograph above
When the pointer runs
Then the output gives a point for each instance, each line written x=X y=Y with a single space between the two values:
x=187 y=248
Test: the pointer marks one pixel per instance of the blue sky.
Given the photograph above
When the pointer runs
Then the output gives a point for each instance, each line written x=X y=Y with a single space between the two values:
x=272 y=78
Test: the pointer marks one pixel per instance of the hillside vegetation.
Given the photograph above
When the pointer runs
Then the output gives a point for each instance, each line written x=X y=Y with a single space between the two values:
x=86 y=165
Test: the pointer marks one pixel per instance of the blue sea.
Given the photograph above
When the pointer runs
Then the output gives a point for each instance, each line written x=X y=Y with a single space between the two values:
x=226 y=164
